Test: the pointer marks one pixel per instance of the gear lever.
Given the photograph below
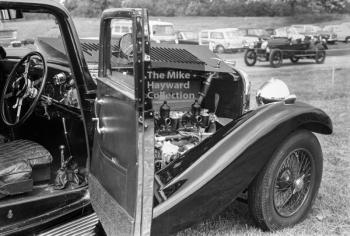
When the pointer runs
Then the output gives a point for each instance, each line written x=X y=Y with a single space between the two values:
x=62 y=148
x=63 y=161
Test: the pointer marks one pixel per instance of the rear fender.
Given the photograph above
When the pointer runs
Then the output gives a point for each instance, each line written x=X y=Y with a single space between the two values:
x=226 y=165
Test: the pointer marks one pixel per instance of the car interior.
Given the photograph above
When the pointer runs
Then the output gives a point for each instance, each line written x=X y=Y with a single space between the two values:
x=42 y=140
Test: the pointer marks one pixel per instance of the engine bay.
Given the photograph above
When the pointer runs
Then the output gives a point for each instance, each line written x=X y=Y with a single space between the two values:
x=189 y=107
x=178 y=131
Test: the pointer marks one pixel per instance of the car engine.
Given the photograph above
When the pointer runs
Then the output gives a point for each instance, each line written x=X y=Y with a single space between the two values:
x=177 y=131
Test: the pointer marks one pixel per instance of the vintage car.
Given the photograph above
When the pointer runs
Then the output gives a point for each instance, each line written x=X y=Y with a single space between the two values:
x=315 y=31
x=342 y=32
x=160 y=139
x=328 y=36
x=278 y=48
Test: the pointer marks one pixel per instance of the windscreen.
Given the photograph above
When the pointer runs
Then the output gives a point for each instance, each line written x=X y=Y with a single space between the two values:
x=21 y=36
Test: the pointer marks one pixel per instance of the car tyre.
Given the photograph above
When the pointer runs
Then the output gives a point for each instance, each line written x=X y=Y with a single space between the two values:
x=347 y=39
x=220 y=49
x=276 y=58
x=320 y=56
x=294 y=59
x=281 y=183
x=250 y=57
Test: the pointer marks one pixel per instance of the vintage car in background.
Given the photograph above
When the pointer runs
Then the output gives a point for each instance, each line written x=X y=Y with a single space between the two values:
x=225 y=39
x=307 y=30
x=162 y=32
x=313 y=31
x=328 y=36
x=187 y=37
x=278 y=48
x=121 y=27
x=287 y=32
x=342 y=32
x=256 y=33
x=161 y=138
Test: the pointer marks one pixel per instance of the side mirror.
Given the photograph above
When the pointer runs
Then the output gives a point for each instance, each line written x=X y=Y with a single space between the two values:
x=10 y=14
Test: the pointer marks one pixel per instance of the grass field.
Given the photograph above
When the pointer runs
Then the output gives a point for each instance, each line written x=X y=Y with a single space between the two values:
x=331 y=212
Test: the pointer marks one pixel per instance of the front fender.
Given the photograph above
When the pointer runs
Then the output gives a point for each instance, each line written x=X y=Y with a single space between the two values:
x=212 y=174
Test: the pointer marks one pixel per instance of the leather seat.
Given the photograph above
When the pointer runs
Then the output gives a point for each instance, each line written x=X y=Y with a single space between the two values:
x=19 y=160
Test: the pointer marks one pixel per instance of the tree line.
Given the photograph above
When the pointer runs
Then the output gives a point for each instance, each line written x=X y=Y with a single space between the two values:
x=93 y=8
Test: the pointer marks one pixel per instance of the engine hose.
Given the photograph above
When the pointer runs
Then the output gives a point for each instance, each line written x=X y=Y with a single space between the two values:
x=205 y=89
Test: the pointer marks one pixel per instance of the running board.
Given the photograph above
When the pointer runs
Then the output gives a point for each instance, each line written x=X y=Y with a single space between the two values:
x=85 y=226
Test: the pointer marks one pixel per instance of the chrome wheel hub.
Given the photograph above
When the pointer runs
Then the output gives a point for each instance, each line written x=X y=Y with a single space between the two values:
x=293 y=182
x=298 y=184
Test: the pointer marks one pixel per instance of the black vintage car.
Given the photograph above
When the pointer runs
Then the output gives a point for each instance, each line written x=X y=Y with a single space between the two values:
x=276 y=49
x=155 y=138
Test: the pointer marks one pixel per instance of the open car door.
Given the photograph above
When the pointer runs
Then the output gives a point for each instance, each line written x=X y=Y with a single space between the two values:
x=121 y=167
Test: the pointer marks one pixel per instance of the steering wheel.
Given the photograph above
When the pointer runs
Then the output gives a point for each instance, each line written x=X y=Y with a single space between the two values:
x=22 y=89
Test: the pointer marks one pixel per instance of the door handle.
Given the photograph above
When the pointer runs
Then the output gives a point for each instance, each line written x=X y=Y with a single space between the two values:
x=98 y=128
x=96 y=118
x=96 y=104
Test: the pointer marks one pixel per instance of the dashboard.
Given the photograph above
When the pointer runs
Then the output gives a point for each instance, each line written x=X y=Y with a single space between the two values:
x=59 y=97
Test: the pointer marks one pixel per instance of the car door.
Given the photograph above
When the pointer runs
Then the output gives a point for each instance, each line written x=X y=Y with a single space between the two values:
x=121 y=166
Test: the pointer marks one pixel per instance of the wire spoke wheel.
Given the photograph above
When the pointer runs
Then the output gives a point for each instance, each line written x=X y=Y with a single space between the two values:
x=283 y=193
x=293 y=182
x=276 y=58
x=320 y=56
x=250 y=58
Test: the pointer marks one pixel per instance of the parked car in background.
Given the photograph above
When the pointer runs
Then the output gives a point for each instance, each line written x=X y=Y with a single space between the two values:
x=316 y=32
x=162 y=32
x=342 y=31
x=7 y=35
x=187 y=37
x=328 y=36
x=270 y=31
x=225 y=39
x=257 y=33
x=307 y=30
x=120 y=27
x=277 y=49
x=346 y=24
x=287 y=32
